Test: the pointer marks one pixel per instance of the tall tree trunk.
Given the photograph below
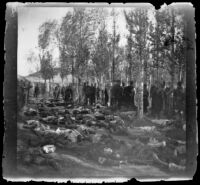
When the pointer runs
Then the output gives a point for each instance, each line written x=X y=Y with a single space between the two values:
x=130 y=67
x=157 y=53
x=113 y=65
x=72 y=73
x=180 y=73
x=45 y=84
x=145 y=71
x=140 y=108
x=114 y=37
x=142 y=79
x=49 y=88
x=73 y=61
x=172 y=48
x=110 y=82
x=62 y=81
x=191 y=122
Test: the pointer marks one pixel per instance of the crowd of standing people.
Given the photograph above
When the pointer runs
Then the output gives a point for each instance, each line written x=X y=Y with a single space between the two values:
x=161 y=99
x=167 y=100
x=65 y=92
x=122 y=95
x=92 y=94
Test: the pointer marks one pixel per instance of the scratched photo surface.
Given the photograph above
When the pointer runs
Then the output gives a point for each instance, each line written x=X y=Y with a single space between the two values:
x=101 y=92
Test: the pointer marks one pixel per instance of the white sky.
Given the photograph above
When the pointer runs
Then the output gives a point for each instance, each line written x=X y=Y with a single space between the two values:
x=29 y=20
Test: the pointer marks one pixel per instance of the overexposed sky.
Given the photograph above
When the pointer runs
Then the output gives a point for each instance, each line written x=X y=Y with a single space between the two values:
x=29 y=20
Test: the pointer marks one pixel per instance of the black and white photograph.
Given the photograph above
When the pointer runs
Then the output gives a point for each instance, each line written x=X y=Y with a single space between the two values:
x=104 y=91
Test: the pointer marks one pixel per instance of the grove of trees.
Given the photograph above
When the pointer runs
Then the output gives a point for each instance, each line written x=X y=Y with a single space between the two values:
x=154 y=48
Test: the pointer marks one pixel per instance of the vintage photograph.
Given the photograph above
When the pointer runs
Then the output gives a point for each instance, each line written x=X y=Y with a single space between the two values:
x=101 y=91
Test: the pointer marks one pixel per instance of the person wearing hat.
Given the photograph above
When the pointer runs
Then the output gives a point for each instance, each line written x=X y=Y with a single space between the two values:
x=145 y=98
x=168 y=99
x=116 y=94
x=179 y=99
x=36 y=90
x=129 y=94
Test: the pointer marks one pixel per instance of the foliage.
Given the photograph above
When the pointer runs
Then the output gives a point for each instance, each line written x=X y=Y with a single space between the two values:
x=86 y=48
x=45 y=37
x=100 y=56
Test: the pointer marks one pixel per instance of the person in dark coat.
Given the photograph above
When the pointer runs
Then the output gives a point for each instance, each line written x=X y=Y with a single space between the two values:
x=63 y=92
x=159 y=101
x=145 y=98
x=36 y=91
x=129 y=95
x=85 y=93
x=58 y=92
x=166 y=99
x=55 y=91
x=163 y=96
x=93 y=94
x=116 y=94
x=29 y=86
x=20 y=95
x=153 y=95
x=43 y=89
x=179 y=99
x=123 y=99
x=68 y=94
x=106 y=96
x=97 y=92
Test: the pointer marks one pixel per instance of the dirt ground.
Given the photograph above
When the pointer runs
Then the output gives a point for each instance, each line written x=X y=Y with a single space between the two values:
x=119 y=146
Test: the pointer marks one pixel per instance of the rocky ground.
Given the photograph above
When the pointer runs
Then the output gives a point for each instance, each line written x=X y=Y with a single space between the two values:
x=71 y=141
